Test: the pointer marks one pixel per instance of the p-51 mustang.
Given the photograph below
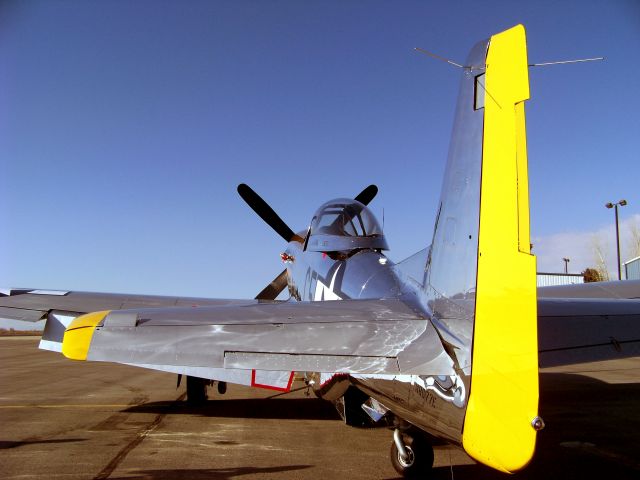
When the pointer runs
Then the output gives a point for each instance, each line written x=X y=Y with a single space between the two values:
x=446 y=344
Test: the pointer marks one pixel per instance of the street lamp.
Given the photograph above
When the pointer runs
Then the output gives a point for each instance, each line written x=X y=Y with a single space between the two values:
x=622 y=203
x=566 y=265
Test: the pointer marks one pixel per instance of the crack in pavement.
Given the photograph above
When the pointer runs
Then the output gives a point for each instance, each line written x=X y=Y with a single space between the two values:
x=140 y=436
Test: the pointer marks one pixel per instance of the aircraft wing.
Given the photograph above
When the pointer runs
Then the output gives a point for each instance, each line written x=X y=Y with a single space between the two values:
x=578 y=330
x=576 y=323
x=588 y=322
x=351 y=336
x=32 y=305
x=620 y=289
x=60 y=307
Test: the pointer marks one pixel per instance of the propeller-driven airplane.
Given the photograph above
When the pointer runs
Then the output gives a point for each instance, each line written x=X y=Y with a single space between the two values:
x=445 y=345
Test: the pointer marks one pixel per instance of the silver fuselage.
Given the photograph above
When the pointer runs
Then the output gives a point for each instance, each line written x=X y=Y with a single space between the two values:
x=426 y=402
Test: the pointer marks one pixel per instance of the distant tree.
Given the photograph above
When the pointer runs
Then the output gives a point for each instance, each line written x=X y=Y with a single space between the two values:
x=597 y=243
x=591 y=275
x=634 y=241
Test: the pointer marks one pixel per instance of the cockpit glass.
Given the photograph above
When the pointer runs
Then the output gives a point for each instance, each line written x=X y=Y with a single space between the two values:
x=345 y=218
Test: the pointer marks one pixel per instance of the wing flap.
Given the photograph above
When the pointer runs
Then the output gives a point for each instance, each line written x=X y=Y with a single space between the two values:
x=311 y=363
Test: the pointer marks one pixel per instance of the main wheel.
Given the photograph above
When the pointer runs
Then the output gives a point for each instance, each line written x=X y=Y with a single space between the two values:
x=419 y=459
x=196 y=390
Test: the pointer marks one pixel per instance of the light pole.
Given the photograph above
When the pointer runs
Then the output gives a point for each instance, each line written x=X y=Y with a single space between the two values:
x=566 y=265
x=622 y=203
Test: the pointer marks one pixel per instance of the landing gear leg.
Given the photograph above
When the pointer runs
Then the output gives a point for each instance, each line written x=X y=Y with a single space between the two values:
x=411 y=456
x=196 y=390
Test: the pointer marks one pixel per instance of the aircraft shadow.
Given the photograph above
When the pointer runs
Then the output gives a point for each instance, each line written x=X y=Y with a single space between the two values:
x=592 y=431
x=7 y=444
x=207 y=473
x=283 y=408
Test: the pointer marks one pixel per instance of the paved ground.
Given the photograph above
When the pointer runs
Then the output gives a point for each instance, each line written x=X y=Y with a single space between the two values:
x=76 y=420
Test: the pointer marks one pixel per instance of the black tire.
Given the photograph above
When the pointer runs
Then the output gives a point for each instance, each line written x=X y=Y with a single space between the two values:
x=196 y=390
x=420 y=460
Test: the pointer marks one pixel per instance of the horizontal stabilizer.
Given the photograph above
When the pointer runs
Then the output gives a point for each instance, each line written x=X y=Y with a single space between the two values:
x=351 y=336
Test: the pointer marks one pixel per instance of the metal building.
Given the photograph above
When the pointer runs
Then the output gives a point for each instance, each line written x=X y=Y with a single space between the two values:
x=549 y=279
x=632 y=269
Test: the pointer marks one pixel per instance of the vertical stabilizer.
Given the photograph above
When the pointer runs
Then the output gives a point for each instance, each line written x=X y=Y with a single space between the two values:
x=480 y=283
x=503 y=400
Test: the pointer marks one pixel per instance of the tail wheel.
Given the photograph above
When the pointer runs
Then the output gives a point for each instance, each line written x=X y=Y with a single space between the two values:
x=418 y=461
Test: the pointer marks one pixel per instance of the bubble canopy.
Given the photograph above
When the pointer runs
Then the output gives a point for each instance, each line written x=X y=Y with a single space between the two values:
x=342 y=225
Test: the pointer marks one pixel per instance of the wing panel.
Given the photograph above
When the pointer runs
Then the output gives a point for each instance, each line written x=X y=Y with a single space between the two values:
x=625 y=289
x=586 y=330
x=22 y=304
x=282 y=313
x=351 y=336
x=311 y=363
x=24 y=314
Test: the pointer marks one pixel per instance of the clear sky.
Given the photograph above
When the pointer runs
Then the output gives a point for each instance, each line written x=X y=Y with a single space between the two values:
x=125 y=127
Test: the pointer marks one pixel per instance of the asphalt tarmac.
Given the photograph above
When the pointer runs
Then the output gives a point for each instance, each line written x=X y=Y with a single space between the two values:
x=77 y=420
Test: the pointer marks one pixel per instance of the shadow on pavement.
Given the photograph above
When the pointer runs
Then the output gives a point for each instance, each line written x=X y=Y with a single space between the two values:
x=285 y=408
x=592 y=431
x=5 y=444
x=206 y=473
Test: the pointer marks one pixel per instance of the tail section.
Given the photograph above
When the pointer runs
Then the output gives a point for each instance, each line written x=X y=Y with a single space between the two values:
x=504 y=386
x=481 y=280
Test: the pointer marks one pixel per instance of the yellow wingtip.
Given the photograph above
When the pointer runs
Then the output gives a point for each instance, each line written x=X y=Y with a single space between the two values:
x=78 y=335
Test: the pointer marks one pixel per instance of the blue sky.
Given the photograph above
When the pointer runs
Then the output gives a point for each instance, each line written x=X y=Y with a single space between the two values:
x=126 y=126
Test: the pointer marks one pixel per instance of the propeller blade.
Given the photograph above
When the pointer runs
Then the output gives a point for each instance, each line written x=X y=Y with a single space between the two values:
x=368 y=194
x=271 y=291
x=266 y=213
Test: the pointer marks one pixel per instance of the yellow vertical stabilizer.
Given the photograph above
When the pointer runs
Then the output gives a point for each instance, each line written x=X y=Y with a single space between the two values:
x=503 y=398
